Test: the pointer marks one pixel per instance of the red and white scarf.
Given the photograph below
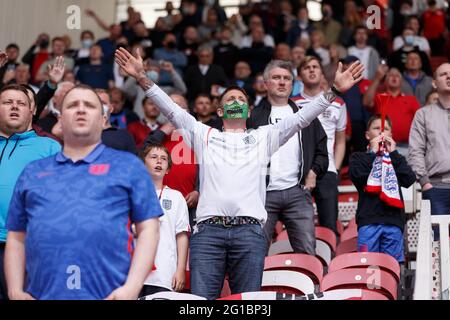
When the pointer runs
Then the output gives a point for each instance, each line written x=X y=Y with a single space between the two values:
x=383 y=180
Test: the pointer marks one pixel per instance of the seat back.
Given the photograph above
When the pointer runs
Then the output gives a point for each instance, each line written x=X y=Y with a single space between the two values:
x=327 y=235
x=287 y=281
x=379 y=281
x=365 y=260
x=350 y=245
x=299 y=262
x=350 y=232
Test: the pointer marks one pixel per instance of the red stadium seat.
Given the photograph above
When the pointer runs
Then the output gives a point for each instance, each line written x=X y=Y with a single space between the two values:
x=226 y=291
x=365 y=260
x=351 y=294
x=340 y=227
x=347 y=246
x=350 y=232
x=377 y=280
x=352 y=223
x=323 y=250
x=328 y=236
x=304 y=263
x=283 y=235
x=187 y=283
x=287 y=281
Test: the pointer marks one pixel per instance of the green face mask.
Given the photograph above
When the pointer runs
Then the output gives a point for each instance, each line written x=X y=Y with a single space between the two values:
x=235 y=111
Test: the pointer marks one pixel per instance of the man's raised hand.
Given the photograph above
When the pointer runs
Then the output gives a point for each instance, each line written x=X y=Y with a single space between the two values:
x=132 y=66
x=56 y=71
x=347 y=79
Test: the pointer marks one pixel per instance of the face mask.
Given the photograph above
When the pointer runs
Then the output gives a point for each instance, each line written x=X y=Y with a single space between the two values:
x=409 y=40
x=153 y=75
x=235 y=110
x=44 y=44
x=87 y=43
x=326 y=14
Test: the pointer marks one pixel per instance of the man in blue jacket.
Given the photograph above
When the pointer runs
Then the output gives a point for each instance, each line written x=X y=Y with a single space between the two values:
x=18 y=147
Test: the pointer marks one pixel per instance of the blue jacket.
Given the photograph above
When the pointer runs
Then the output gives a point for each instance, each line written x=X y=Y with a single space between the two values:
x=15 y=153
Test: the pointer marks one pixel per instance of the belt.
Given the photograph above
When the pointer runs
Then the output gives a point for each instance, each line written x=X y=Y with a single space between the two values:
x=231 y=221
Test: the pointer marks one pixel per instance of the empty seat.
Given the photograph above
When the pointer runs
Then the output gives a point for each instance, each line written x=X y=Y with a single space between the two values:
x=376 y=280
x=365 y=260
x=287 y=281
x=304 y=263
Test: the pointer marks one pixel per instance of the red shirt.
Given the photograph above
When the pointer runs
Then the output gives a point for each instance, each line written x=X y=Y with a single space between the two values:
x=433 y=24
x=39 y=59
x=182 y=176
x=139 y=131
x=401 y=110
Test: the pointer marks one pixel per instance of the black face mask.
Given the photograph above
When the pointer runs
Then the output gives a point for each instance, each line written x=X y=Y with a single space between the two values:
x=326 y=14
x=171 y=45
x=44 y=44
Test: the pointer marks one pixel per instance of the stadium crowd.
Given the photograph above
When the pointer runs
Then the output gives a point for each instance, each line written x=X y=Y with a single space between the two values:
x=211 y=129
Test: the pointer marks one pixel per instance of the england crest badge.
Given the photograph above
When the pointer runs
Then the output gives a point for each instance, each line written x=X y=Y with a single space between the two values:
x=167 y=204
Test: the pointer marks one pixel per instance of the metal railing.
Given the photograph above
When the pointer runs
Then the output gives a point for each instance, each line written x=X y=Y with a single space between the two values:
x=424 y=272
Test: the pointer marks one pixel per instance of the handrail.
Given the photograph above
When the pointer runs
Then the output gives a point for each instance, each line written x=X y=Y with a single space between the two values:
x=424 y=272
x=423 y=284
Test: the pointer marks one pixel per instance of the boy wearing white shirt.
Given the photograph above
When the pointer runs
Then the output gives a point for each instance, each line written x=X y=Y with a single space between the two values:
x=168 y=273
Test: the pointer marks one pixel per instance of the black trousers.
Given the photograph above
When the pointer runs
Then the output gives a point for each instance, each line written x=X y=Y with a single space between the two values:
x=326 y=195
x=149 y=290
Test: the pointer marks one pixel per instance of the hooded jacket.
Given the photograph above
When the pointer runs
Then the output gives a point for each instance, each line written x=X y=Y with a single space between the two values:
x=15 y=153
x=313 y=141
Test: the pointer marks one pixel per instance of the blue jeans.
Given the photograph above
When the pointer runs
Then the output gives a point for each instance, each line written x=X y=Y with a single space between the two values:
x=215 y=250
x=440 y=204
x=382 y=238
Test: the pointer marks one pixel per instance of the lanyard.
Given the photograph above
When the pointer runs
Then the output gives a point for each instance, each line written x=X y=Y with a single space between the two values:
x=161 y=192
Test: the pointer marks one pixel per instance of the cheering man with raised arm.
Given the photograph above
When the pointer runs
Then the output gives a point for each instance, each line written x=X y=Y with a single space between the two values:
x=228 y=236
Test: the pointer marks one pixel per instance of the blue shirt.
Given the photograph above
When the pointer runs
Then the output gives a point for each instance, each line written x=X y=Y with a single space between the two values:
x=77 y=219
x=15 y=153
x=96 y=75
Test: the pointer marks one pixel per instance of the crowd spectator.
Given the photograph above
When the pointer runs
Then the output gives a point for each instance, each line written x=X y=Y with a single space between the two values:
x=105 y=176
x=400 y=108
x=141 y=129
x=368 y=55
x=240 y=213
x=96 y=73
x=36 y=59
x=380 y=222
x=294 y=165
x=8 y=69
x=328 y=25
x=58 y=50
x=171 y=255
x=112 y=137
x=183 y=176
x=199 y=78
x=415 y=81
x=428 y=141
x=16 y=114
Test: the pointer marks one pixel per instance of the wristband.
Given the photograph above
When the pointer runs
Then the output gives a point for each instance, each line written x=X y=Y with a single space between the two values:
x=336 y=91
x=51 y=86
